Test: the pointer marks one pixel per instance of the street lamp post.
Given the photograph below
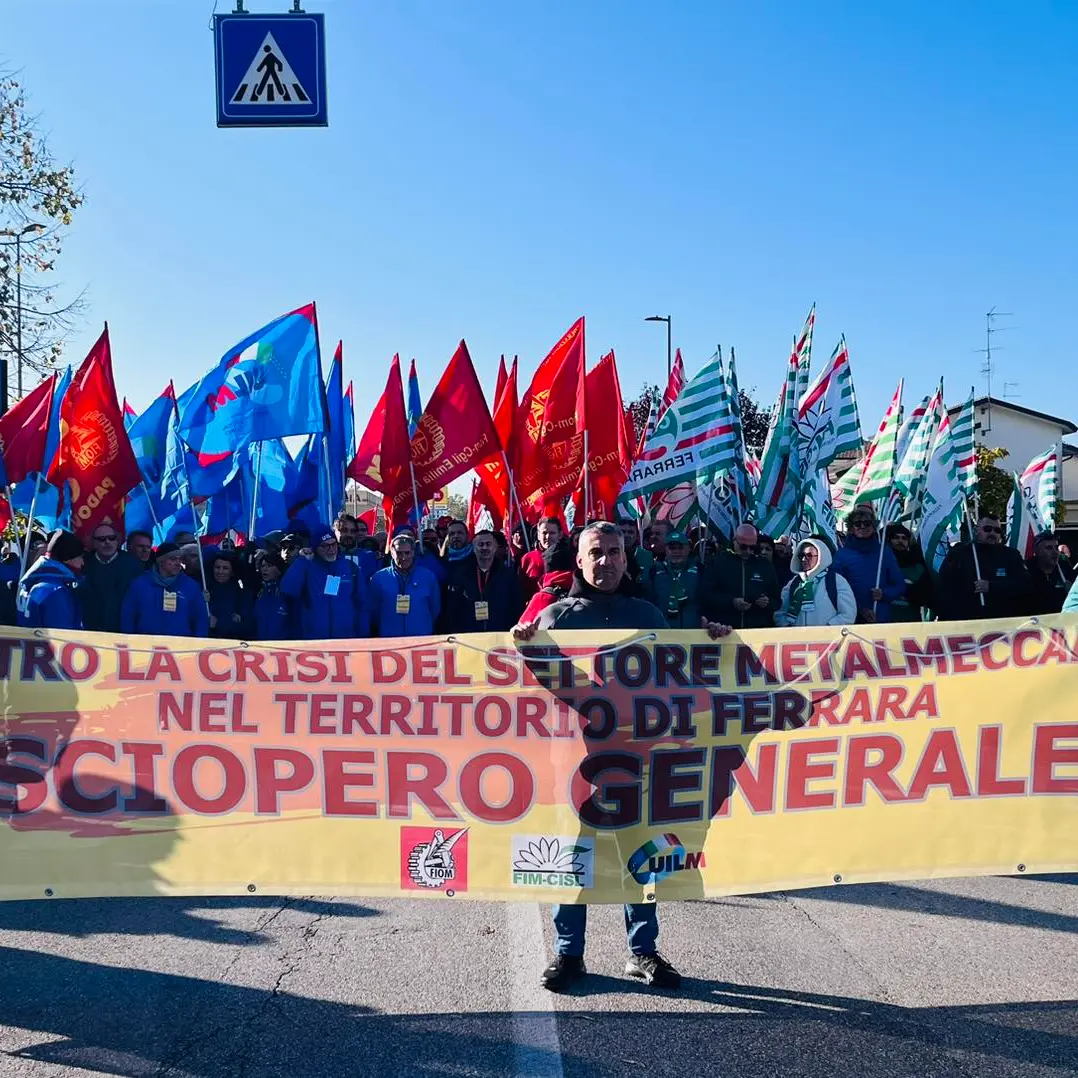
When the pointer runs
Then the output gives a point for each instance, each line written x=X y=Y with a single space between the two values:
x=669 y=340
x=17 y=236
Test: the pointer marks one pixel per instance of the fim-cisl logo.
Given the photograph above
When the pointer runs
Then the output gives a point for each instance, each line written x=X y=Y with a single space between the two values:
x=661 y=857
x=553 y=861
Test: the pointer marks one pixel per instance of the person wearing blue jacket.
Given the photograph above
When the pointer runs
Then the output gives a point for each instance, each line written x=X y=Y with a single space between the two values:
x=48 y=594
x=406 y=599
x=330 y=593
x=858 y=560
x=273 y=611
x=165 y=601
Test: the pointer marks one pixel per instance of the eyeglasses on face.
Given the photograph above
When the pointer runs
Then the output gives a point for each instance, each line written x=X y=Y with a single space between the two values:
x=992 y=528
x=106 y=538
x=862 y=522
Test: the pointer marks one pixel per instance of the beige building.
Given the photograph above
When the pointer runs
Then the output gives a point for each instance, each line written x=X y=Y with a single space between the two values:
x=1025 y=434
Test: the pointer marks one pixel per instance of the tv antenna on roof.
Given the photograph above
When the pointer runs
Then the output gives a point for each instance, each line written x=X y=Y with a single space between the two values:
x=987 y=370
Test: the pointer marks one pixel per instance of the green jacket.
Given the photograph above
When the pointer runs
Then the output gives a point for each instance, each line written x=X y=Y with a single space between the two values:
x=676 y=592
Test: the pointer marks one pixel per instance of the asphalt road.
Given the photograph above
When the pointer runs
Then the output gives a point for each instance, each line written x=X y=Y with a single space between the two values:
x=956 y=978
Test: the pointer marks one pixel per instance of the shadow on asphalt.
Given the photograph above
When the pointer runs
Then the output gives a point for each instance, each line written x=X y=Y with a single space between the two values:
x=943 y=904
x=129 y=1023
x=185 y=918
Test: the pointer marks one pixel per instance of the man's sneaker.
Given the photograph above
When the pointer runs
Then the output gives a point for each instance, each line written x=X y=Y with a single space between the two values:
x=562 y=972
x=653 y=970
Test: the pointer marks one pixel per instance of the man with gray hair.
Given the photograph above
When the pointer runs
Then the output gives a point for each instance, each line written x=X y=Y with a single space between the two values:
x=405 y=598
x=600 y=598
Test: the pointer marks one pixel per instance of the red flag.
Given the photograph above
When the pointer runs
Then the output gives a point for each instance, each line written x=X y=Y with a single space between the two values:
x=609 y=452
x=499 y=385
x=455 y=433
x=552 y=445
x=475 y=508
x=24 y=429
x=493 y=478
x=94 y=456
x=381 y=460
x=674 y=385
x=370 y=518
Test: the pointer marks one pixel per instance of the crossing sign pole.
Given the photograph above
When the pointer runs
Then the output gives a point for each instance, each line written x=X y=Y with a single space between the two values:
x=271 y=70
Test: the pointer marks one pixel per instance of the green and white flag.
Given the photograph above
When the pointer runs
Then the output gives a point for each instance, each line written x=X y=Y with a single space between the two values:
x=1020 y=527
x=878 y=475
x=1034 y=509
x=965 y=449
x=942 y=503
x=694 y=437
x=827 y=422
x=778 y=489
x=843 y=490
x=913 y=460
x=818 y=511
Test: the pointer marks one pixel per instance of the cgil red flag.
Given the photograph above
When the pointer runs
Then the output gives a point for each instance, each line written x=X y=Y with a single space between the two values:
x=609 y=449
x=24 y=429
x=455 y=434
x=94 y=457
x=381 y=460
x=552 y=442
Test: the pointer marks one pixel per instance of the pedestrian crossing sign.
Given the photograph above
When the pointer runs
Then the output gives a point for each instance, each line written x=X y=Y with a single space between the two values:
x=271 y=70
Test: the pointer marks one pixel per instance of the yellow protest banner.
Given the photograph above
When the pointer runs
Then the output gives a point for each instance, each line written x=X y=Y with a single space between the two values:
x=598 y=767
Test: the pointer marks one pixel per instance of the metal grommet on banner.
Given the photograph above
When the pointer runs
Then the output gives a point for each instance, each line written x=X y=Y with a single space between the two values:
x=649 y=897
x=48 y=892
x=450 y=894
x=837 y=878
x=251 y=887
x=1021 y=868
x=845 y=632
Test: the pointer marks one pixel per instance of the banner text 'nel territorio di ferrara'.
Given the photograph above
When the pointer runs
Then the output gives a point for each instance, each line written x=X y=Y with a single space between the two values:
x=663 y=767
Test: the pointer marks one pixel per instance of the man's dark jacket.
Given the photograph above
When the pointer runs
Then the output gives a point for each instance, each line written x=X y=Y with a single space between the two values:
x=465 y=587
x=586 y=607
x=1008 y=594
x=728 y=577
x=103 y=588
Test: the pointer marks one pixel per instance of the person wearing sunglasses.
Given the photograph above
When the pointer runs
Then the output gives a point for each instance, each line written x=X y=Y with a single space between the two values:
x=1001 y=589
x=876 y=583
x=107 y=574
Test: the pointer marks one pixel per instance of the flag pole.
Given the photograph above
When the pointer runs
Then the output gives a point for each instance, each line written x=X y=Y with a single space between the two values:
x=333 y=510
x=515 y=499
x=415 y=492
x=254 y=495
x=29 y=523
x=707 y=522
x=585 y=476
x=149 y=502
x=973 y=545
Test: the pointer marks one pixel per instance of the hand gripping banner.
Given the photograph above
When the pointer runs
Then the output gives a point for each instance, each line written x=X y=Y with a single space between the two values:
x=597 y=767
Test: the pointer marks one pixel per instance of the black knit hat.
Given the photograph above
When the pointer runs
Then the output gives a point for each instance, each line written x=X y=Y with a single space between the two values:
x=63 y=546
x=165 y=549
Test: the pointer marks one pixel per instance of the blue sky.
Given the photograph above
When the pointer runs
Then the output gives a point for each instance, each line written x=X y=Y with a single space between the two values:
x=491 y=171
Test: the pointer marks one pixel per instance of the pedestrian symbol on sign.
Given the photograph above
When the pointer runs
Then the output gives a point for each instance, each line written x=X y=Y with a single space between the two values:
x=269 y=79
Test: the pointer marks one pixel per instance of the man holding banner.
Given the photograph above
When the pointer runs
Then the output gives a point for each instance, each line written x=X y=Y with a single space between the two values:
x=599 y=599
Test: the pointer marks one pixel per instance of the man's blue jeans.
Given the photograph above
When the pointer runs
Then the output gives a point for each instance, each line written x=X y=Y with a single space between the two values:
x=641 y=927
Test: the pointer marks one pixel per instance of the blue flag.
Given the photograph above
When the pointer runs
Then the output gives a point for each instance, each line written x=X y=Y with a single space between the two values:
x=47 y=507
x=148 y=508
x=415 y=402
x=310 y=496
x=274 y=477
x=415 y=411
x=268 y=386
x=336 y=446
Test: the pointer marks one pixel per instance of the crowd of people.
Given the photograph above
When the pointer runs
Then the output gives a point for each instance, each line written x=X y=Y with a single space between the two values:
x=340 y=582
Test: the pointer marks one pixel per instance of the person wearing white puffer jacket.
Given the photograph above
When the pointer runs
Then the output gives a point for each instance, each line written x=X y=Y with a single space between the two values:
x=816 y=595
